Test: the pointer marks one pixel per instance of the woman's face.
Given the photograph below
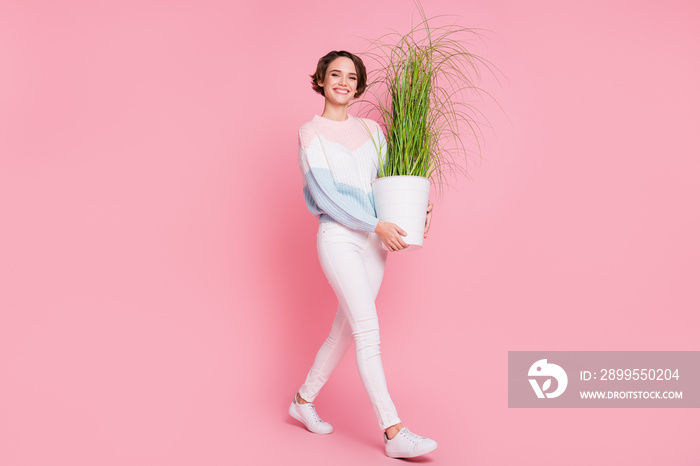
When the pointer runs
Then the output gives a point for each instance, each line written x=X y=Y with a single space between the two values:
x=340 y=84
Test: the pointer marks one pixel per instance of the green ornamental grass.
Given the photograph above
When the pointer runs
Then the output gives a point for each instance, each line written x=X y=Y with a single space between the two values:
x=424 y=84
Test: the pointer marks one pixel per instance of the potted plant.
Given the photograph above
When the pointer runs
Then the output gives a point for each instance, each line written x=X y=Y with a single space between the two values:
x=423 y=86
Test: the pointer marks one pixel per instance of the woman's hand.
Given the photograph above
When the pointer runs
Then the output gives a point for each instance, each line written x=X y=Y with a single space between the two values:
x=391 y=235
x=428 y=217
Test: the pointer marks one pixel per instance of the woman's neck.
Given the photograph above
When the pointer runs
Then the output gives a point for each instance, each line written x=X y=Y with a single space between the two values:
x=335 y=112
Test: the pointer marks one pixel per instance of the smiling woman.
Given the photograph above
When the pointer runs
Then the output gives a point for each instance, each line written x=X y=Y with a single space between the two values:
x=339 y=158
x=342 y=62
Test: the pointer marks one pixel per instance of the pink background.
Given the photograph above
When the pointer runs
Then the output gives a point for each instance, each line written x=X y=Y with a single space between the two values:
x=160 y=296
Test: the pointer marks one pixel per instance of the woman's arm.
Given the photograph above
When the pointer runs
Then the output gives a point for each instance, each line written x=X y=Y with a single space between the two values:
x=342 y=207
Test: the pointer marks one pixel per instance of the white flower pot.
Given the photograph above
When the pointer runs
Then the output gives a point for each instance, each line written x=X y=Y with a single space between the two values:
x=403 y=200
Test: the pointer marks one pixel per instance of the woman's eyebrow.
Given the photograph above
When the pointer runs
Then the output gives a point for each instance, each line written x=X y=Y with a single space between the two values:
x=339 y=71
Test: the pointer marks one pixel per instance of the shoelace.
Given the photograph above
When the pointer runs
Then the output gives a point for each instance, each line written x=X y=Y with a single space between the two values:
x=414 y=438
x=314 y=415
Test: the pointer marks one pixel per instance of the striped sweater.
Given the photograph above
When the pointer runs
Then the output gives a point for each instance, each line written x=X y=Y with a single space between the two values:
x=339 y=160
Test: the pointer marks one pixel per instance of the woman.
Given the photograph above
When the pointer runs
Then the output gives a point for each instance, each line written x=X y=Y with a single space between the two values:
x=339 y=158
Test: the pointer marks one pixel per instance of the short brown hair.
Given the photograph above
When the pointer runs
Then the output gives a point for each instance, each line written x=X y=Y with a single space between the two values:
x=322 y=67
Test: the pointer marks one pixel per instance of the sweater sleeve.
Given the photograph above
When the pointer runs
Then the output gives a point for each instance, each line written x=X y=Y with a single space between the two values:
x=340 y=205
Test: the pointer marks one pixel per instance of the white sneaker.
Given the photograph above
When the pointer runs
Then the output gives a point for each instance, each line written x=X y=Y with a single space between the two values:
x=406 y=444
x=307 y=415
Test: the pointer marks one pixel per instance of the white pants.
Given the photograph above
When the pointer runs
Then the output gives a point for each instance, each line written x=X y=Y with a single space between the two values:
x=353 y=262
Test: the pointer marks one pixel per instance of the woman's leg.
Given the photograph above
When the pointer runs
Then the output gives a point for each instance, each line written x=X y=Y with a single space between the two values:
x=340 y=337
x=328 y=357
x=354 y=263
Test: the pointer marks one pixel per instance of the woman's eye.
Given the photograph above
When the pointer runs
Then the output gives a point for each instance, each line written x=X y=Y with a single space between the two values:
x=336 y=75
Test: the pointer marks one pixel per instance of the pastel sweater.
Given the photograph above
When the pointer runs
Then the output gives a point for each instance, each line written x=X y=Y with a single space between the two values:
x=339 y=160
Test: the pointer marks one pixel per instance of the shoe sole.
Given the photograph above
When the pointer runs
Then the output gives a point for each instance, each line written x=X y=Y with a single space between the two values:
x=413 y=454
x=301 y=419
